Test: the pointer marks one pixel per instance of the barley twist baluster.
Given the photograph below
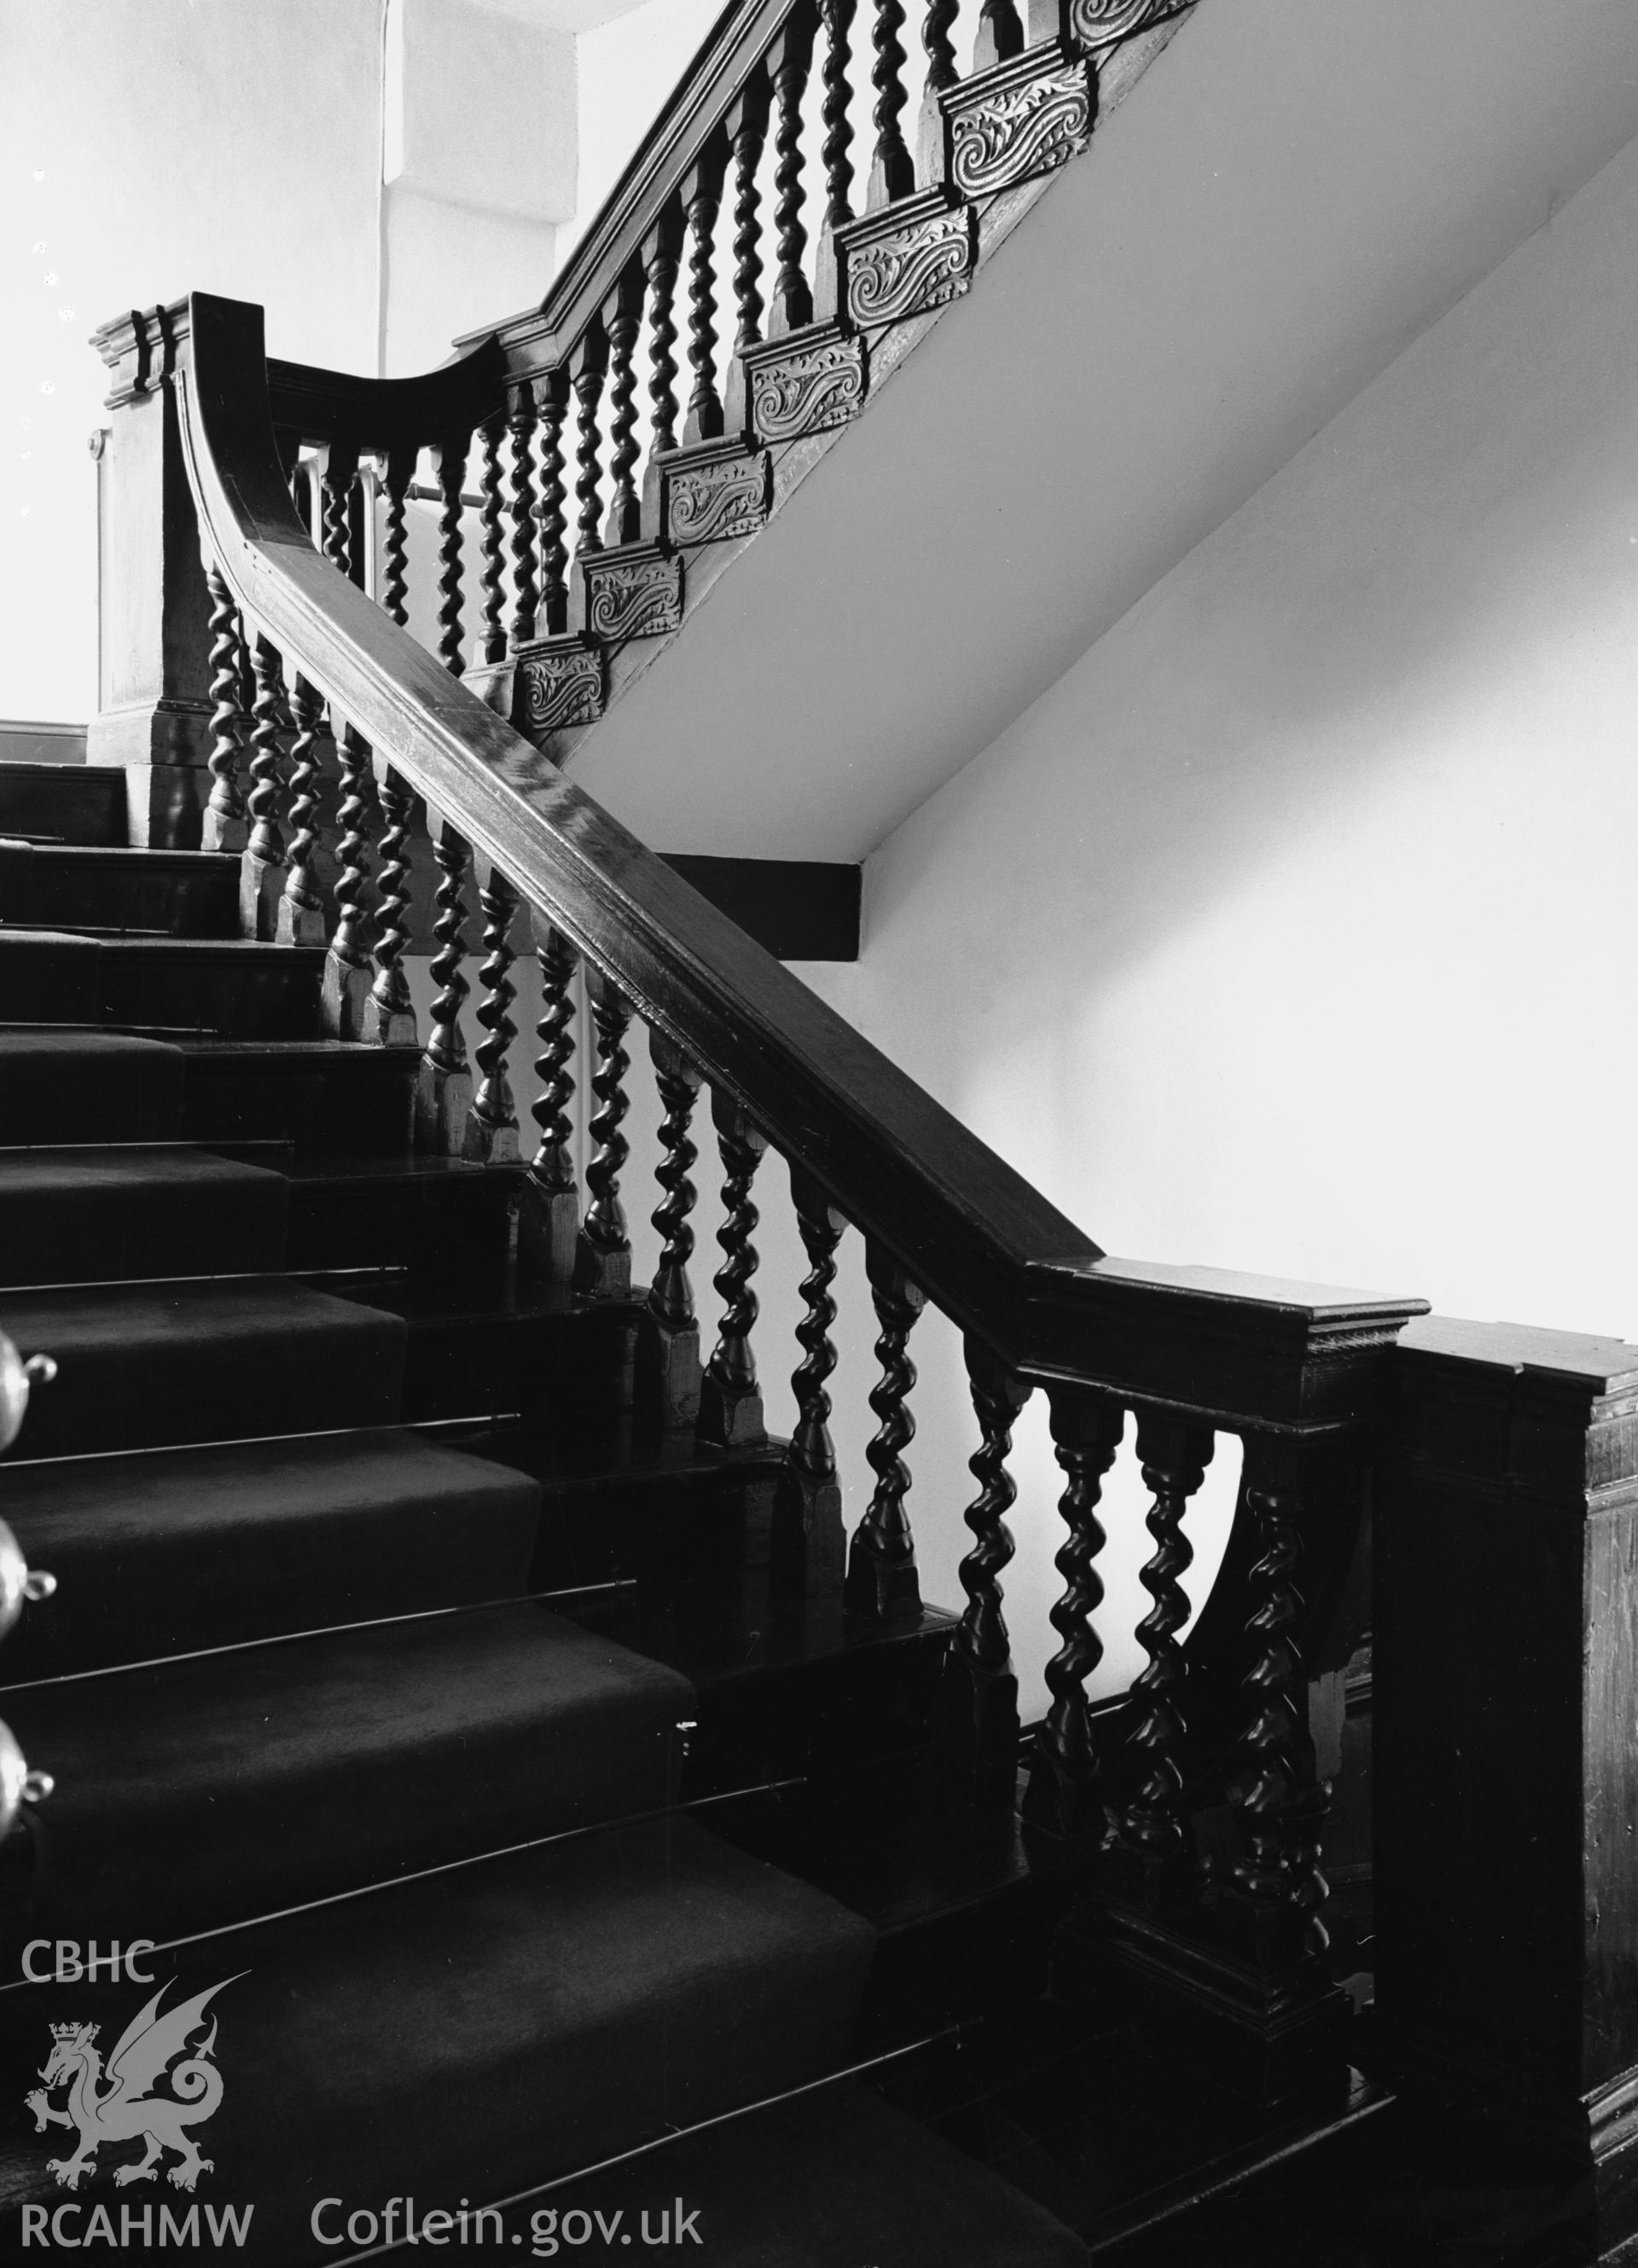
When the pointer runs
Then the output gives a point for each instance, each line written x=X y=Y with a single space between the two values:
x=525 y=530
x=347 y=965
x=748 y=130
x=388 y=1013
x=730 y=1406
x=662 y=260
x=702 y=197
x=622 y=316
x=982 y=1687
x=942 y=76
x=262 y=869
x=587 y=369
x=492 y=434
x=892 y=175
x=881 y=1578
x=449 y=463
x=301 y=917
x=225 y=827
x=551 y=395
x=1282 y=1802
x=667 y=1342
x=602 y=1263
x=338 y=464
x=398 y=470
x=492 y=1134
x=1068 y=1792
x=837 y=15
x=1154 y=1825
x=551 y=1215
x=810 y=1541
x=789 y=60
x=1000 y=35
x=445 y=1094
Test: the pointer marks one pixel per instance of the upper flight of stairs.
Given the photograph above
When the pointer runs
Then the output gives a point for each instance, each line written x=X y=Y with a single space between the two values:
x=315 y=1724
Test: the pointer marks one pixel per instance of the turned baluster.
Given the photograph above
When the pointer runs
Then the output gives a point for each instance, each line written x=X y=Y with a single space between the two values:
x=444 y=1096
x=347 y=972
x=449 y=465
x=397 y=472
x=730 y=1405
x=837 y=17
x=301 y=917
x=551 y=1219
x=892 y=174
x=667 y=1340
x=603 y=1260
x=662 y=260
x=980 y=1682
x=526 y=586
x=702 y=199
x=942 y=76
x=1154 y=1826
x=623 y=317
x=882 y=1580
x=1280 y=1801
x=809 y=1541
x=492 y=1134
x=262 y=869
x=491 y=433
x=389 y=1014
x=1068 y=1792
x=551 y=399
x=789 y=61
x=588 y=367
x=337 y=465
x=1000 y=35
x=225 y=827
x=748 y=130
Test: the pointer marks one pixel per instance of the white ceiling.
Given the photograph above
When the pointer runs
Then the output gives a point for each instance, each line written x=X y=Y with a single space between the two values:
x=568 y=15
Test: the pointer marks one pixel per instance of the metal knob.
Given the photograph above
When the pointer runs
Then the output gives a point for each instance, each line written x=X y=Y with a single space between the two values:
x=18 y=1785
x=16 y=1378
x=18 y=1580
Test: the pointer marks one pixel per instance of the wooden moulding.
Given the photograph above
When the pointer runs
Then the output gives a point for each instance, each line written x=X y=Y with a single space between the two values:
x=1506 y=1669
x=716 y=490
x=1024 y=117
x=816 y=378
x=907 y=259
x=633 y=592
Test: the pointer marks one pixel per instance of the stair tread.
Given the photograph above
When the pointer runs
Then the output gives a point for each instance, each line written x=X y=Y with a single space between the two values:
x=193 y=948
x=834 y=2178
x=162 y=1551
x=113 y=855
x=156 y=1364
x=504 y=2021
x=245 y=1781
x=75 y=1216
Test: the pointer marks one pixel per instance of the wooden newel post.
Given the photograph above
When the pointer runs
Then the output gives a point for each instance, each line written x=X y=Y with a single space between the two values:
x=1506 y=1838
x=153 y=607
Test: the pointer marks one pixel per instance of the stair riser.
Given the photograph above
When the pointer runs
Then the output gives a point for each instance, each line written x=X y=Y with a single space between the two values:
x=457 y=1231
x=576 y=1367
x=146 y=891
x=242 y=993
x=79 y=803
x=349 y=1104
x=77 y=1228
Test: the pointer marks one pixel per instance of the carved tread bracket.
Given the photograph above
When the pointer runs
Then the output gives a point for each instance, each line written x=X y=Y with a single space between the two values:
x=557 y=681
x=716 y=490
x=910 y=257
x=807 y=383
x=1103 y=23
x=1022 y=118
x=633 y=592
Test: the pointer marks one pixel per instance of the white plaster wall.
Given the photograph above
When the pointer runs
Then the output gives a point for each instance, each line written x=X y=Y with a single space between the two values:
x=1285 y=931
x=148 y=148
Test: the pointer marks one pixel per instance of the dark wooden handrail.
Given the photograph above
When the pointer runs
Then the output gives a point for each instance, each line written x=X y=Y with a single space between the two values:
x=387 y=413
x=986 y=1247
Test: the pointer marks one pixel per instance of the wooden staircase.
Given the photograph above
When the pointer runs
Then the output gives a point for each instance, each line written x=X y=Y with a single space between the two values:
x=407 y=1714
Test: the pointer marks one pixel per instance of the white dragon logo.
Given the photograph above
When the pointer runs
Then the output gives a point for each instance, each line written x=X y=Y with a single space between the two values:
x=147 y=2046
